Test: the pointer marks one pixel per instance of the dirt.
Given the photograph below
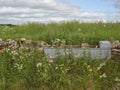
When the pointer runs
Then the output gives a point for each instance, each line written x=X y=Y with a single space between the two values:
x=116 y=56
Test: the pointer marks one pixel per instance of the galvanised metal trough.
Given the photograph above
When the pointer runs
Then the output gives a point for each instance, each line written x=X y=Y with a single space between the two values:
x=103 y=52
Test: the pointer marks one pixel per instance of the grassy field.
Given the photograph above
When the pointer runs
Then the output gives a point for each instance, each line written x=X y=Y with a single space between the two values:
x=23 y=70
x=71 y=32
x=33 y=71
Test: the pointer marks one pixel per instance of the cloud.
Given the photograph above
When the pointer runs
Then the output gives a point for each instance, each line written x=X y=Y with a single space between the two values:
x=116 y=15
x=20 y=11
x=117 y=4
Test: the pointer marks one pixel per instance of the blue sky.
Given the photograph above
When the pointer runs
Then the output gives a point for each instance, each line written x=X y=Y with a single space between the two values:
x=95 y=5
x=106 y=6
x=23 y=11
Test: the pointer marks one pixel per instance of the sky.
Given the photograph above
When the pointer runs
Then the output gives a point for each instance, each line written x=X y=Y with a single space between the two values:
x=24 y=11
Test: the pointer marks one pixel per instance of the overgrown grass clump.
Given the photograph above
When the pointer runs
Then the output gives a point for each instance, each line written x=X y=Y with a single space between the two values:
x=73 y=32
x=32 y=71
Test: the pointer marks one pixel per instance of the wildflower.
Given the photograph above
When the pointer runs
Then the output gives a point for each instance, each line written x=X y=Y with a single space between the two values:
x=103 y=76
x=21 y=57
x=90 y=70
x=117 y=79
x=14 y=53
x=23 y=39
x=68 y=52
x=85 y=64
x=9 y=40
x=7 y=49
x=88 y=66
x=58 y=40
x=52 y=57
x=101 y=65
x=63 y=41
x=76 y=56
x=61 y=65
x=104 y=25
x=18 y=66
x=98 y=68
x=51 y=60
x=67 y=69
x=39 y=65
x=1 y=39
x=56 y=68
x=38 y=72
x=79 y=30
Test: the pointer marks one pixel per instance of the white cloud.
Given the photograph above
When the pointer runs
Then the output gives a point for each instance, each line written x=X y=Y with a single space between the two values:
x=116 y=16
x=18 y=11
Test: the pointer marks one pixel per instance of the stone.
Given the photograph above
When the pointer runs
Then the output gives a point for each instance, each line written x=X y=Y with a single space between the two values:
x=105 y=44
x=85 y=45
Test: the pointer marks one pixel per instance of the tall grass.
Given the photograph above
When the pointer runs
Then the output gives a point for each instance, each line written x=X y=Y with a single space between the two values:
x=33 y=71
x=72 y=32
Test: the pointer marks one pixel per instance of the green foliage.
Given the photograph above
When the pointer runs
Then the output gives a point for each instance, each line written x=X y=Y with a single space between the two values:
x=32 y=71
x=72 y=32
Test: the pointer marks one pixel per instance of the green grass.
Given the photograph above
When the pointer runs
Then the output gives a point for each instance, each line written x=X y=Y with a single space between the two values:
x=33 y=71
x=22 y=70
x=72 y=32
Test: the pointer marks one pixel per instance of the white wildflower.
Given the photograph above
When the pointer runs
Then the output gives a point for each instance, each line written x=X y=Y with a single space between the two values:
x=88 y=66
x=76 y=56
x=58 y=40
x=18 y=66
x=7 y=49
x=14 y=52
x=39 y=65
x=63 y=41
x=117 y=79
x=56 y=67
x=9 y=40
x=51 y=60
x=1 y=39
x=90 y=70
x=101 y=65
x=68 y=52
x=21 y=57
x=51 y=57
x=103 y=76
x=23 y=39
